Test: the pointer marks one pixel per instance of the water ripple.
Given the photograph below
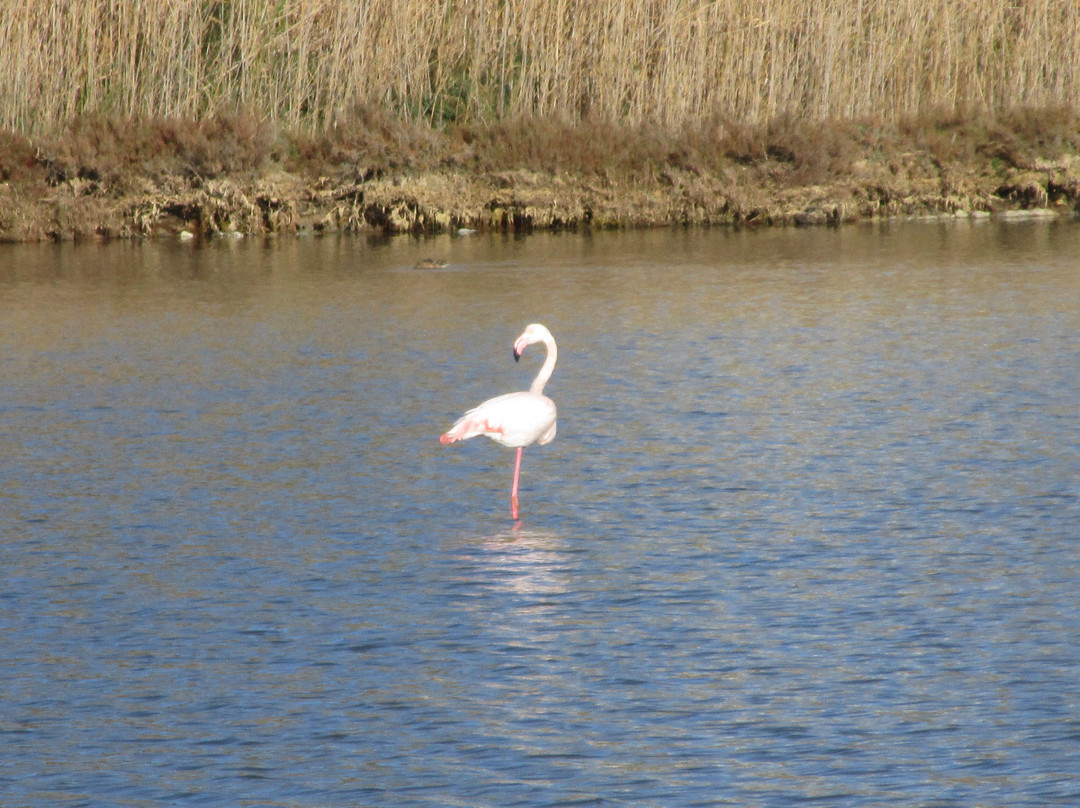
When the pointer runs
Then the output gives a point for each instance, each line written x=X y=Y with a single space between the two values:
x=807 y=534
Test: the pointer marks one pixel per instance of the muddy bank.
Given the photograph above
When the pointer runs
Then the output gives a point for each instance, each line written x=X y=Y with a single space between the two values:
x=164 y=180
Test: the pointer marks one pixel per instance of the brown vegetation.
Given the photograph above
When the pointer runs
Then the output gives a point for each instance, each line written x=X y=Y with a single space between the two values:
x=121 y=119
x=664 y=62
x=104 y=177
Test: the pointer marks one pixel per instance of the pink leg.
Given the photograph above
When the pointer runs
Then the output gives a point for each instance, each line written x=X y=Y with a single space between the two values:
x=513 y=491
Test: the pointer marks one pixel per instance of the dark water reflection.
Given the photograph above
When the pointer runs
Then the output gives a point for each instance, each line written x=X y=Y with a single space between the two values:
x=808 y=533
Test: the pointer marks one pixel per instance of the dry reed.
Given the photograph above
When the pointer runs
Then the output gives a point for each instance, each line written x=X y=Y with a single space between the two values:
x=307 y=64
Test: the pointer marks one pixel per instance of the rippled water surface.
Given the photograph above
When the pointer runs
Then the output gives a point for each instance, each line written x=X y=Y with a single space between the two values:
x=808 y=533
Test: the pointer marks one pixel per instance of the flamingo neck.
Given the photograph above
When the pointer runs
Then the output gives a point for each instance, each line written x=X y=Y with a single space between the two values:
x=547 y=368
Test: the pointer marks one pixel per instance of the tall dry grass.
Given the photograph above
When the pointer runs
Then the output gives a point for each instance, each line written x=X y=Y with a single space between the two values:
x=305 y=64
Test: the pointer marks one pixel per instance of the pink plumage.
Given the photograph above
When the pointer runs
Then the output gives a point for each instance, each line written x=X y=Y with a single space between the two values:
x=515 y=420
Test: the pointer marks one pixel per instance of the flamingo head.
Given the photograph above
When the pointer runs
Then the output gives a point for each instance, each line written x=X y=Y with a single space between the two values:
x=532 y=333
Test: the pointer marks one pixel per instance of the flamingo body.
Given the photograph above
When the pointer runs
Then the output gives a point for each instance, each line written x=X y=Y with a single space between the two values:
x=515 y=420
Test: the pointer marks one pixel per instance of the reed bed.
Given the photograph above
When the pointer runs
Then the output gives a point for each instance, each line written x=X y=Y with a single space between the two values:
x=309 y=64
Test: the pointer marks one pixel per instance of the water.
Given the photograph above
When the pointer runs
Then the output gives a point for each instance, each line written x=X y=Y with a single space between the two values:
x=807 y=535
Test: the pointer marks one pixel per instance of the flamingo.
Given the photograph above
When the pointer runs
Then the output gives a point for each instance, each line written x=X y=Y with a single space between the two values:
x=515 y=420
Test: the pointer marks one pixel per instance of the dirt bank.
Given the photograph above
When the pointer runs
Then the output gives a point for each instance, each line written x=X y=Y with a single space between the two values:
x=126 y=179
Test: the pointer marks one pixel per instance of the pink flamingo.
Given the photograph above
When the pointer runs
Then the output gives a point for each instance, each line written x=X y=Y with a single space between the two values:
x=516 y=420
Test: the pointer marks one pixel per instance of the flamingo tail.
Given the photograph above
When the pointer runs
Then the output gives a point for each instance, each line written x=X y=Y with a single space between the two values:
x=468 y=427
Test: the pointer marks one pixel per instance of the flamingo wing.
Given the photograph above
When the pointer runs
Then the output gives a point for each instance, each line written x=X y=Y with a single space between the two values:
x=514 y=419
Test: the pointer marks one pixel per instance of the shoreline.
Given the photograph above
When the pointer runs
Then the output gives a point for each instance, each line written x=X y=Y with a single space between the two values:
x=241 y=181
x=519 y=203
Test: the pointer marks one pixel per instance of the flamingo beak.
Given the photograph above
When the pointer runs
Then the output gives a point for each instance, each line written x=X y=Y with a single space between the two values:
x=523 y=342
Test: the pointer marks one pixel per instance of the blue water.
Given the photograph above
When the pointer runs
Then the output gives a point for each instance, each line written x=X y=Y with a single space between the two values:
x=809 y=532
